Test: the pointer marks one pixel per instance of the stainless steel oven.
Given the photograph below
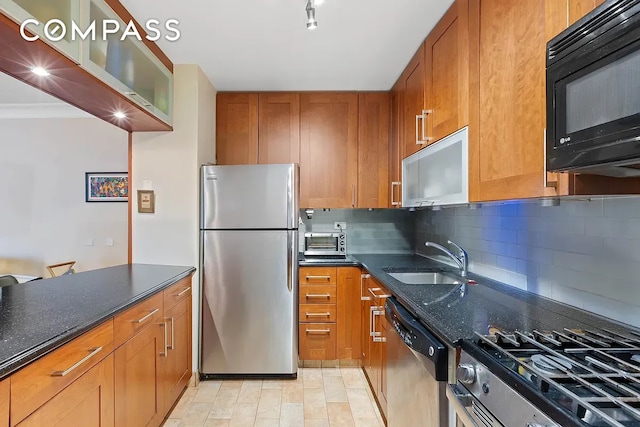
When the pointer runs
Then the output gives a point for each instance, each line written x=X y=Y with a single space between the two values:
x=325 y=244
x=593 y=93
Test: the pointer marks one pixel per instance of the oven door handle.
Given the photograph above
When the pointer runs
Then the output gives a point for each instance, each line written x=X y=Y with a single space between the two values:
x=459 y=407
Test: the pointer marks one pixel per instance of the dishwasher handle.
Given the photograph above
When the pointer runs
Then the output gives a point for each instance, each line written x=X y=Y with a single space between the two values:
x=415 y=336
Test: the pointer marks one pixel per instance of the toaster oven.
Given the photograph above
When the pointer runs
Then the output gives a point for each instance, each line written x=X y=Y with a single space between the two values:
x=325 y=244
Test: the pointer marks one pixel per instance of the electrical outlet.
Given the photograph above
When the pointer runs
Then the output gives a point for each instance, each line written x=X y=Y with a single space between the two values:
x=109 y=241
x=340 y=225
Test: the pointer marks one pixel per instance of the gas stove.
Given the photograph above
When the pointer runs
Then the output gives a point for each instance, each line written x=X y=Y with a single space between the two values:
x=568 y=378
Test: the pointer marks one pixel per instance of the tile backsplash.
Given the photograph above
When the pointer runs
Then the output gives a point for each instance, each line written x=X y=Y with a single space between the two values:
x=583 y=253
x=368 y=231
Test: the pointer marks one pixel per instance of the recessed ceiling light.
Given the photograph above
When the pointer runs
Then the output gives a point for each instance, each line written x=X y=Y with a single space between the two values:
x=119 y=115
x=39 y=71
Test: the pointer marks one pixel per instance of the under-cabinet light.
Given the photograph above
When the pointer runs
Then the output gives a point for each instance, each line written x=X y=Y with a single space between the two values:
x=119 y=115
x=39 y=71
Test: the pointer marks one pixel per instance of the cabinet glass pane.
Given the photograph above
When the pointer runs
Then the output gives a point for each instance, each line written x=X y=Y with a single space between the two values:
x=441 y=173
x=46 y=10
x=131 y=63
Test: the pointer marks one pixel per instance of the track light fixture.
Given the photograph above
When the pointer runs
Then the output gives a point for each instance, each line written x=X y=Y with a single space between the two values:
x=312 y=24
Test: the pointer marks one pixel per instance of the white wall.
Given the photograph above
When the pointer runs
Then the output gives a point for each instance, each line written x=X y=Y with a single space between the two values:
x=44 y=218
x=171 y=160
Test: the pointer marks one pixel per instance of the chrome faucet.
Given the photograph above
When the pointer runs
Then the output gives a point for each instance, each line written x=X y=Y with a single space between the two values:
x=461 y=259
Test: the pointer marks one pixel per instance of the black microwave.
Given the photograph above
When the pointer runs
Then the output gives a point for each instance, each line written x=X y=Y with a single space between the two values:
x=593 y=93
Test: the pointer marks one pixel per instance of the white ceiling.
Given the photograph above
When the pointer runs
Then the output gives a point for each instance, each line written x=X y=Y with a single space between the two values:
x=264 y=44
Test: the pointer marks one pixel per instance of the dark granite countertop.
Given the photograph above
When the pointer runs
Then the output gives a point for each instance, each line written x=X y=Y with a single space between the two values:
x=37 y=317
x=454 y=312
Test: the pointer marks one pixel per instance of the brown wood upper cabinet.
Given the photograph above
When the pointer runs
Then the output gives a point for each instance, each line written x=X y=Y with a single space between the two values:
x=507 y=97
x=328 y=150
x=279 y=128
x=579 y=8
x=254 y=128
x=237 y=129
x=413 y=104
x=446 y=61
x=373 y=150
x=434 y=87
x=395 y=147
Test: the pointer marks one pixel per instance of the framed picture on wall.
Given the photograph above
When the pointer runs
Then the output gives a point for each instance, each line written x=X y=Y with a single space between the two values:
x=106 y=187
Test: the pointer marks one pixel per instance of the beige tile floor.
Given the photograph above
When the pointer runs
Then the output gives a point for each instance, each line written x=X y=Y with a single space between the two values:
x=319 y=397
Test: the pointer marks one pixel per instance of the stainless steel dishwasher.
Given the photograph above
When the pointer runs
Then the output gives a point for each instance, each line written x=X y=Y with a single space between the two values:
x=417 y=372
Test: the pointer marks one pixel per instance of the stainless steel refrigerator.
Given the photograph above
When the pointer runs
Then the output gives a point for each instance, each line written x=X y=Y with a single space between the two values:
x=249 y=267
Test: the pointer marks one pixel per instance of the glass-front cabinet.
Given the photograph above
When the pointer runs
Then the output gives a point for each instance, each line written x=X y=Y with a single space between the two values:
x=66 y=11
x=127 y=65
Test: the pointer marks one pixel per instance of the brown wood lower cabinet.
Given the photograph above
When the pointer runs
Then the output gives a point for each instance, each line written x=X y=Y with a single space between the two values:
x=177 y=364
x=4 y=403
x=137 y=378
x=317 y=341
x=374 y=340
x=87 y=402
x=86 y=383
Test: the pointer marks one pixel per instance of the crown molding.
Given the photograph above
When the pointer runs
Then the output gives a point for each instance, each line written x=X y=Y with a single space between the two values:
x=42 y=111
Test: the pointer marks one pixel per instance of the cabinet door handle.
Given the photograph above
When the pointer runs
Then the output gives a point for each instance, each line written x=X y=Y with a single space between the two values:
x=377 y=296
x=353 y=195
x=393 y=184
x=165 y=353
x=173 y=336
x=327 y=278
x=142 y=319
x=327 y=314
x=373 y=310
x=318 y=331
x=318 y=295
x=425 y=113
x=363 y=277
x=418 y=117
x=92 y=352
x=184 y=291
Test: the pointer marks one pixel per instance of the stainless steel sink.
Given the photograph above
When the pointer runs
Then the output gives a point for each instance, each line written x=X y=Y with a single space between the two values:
x=426 y=278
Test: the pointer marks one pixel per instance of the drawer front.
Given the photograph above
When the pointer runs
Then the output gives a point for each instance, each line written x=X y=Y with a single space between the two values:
x=38 y=382
x=137 y=318
x=317 y=341
x=318 y=294
x=176 y=293
x=314 y=313
x=318 y=275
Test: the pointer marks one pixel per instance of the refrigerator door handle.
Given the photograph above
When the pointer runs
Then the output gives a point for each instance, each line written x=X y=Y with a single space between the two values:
x=291 y=257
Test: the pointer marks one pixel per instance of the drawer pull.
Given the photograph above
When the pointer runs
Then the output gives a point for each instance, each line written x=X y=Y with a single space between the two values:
x=318 y=295
x=372 y=292
x=151 y=313
x=327 y=278
x=184 y=291
x=327 y=314
x=318 y=331
x=92 y=353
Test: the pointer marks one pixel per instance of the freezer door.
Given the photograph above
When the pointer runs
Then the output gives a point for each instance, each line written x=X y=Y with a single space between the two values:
x=250 y=197
x=249 y=306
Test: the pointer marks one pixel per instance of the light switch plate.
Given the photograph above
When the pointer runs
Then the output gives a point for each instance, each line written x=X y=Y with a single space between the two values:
x=109 y=242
